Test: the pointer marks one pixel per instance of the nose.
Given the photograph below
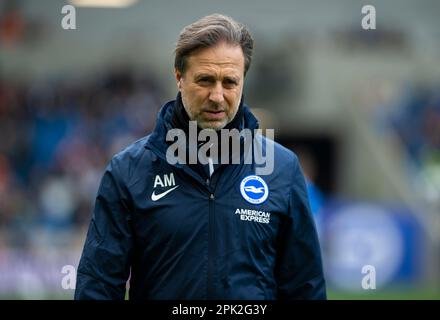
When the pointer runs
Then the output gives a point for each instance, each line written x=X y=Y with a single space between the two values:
x=216 y=94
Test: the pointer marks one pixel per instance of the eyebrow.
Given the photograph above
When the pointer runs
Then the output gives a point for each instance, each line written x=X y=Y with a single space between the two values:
x=204 y=76
x=211 y=77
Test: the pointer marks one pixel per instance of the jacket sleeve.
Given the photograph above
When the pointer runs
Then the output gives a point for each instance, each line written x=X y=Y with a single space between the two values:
x=299 y=266
x=105 y=261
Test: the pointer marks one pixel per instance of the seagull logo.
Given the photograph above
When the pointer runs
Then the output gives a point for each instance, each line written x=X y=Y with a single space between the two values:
x=254 y=189
x=156 y=197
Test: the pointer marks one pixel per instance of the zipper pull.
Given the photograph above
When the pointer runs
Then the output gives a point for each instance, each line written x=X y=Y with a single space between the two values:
x=211 y=166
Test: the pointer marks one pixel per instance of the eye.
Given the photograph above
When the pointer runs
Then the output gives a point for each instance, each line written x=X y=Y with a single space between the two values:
x=204 y=81
x=230 y=83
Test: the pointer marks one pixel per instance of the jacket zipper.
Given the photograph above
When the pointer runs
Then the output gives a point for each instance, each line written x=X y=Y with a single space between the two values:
x=211 y=248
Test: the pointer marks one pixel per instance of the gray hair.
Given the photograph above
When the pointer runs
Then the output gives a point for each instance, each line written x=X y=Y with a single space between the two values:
x=209 y=31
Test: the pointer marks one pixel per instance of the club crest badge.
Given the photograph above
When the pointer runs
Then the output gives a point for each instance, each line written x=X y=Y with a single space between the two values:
x=254 y=189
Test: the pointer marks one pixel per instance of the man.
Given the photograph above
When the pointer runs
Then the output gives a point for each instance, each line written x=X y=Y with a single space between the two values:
x=202 y=230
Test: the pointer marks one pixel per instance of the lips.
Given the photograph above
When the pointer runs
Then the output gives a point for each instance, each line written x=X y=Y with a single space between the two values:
x=214 y=114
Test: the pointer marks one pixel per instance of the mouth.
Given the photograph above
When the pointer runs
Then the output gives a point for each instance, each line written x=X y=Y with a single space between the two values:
x=214 y=115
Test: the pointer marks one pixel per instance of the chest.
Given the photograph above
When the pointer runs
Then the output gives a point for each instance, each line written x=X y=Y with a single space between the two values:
x=173 y=206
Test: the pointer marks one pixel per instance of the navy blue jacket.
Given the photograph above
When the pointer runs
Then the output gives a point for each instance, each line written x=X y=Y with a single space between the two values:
x=179 y=236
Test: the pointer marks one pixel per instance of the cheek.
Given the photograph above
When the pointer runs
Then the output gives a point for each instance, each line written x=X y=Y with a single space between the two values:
x=194 y=92
x=194 y=98
x=199 y=97
x=233 y=100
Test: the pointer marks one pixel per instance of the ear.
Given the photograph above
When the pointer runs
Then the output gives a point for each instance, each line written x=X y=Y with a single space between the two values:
x=178 y=75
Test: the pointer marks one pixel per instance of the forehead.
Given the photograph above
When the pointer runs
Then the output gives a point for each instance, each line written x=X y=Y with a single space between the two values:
x=223 y=56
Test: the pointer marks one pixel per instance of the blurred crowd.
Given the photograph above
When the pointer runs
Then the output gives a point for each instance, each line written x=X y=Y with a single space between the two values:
x=56 y=139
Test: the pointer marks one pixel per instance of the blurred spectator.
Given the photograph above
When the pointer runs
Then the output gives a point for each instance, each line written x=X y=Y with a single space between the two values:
x=317 y=198
x=12 y=24
x=416 y=121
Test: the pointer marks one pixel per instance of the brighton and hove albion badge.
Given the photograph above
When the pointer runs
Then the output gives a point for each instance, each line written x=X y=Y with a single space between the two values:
x=254 y=190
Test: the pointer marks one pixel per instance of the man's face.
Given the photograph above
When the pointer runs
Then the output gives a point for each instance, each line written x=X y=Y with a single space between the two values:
x=212 y=85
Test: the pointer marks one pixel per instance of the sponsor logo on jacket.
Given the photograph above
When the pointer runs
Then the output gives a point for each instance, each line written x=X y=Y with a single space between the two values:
x=253 y=215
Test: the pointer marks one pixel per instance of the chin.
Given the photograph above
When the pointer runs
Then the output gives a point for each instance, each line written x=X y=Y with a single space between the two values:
x=213 y=125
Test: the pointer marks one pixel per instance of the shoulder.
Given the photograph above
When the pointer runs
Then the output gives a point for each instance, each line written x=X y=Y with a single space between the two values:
x=284 y=159
x=132 y=152
x=131 y=161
